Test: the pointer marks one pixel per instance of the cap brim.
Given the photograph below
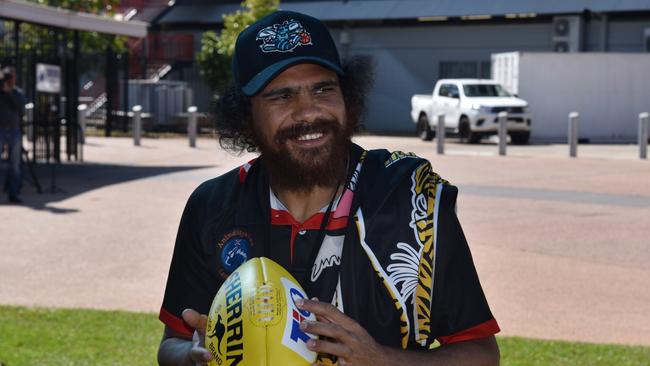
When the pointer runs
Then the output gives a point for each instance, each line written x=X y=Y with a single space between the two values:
x=259 y=81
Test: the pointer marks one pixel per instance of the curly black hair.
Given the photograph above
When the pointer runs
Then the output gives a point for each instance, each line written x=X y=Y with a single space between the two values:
x=233 y=113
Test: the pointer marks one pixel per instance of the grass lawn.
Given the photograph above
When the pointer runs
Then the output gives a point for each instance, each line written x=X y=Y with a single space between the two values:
x=89 y=337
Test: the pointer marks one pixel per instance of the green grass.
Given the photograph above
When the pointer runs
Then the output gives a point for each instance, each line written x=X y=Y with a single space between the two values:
x=523 y=351
x=71 y=337
x=77 y=337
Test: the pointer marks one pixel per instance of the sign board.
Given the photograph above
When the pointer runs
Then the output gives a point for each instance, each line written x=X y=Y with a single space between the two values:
x=48 y=78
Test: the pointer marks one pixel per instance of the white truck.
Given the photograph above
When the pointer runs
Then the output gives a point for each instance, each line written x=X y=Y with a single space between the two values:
x=470 y=107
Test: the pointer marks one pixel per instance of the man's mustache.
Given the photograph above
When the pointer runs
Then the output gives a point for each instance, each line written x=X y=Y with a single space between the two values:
x=296 y=130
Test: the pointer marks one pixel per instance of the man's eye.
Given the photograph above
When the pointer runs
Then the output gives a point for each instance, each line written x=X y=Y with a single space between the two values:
x=325 y=89
x=283 y=96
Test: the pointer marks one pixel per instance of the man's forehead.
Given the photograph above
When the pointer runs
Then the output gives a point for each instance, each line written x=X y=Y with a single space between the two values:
x=301 y=75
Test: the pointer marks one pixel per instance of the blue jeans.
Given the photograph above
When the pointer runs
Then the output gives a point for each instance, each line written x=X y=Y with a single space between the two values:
x=12 y=138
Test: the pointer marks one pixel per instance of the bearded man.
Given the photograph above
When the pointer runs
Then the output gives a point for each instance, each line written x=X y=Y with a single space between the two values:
x=372 y=234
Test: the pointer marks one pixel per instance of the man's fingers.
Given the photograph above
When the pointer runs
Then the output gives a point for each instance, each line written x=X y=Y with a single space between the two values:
x=191 y=317
x=327 y=311
x=332 y=348
x=327 y=329
x=200 y=355
x=195 y=320
x=203 y=323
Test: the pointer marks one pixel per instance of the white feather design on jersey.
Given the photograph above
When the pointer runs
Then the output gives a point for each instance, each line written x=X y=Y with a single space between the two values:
x=404 y=269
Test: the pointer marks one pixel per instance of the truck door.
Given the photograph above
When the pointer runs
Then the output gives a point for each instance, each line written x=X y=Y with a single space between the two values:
x=448 y=101
x=453 y=107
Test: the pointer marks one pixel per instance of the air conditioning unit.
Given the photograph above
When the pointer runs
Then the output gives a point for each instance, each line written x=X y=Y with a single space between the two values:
x=646 y=39
x=567 y=34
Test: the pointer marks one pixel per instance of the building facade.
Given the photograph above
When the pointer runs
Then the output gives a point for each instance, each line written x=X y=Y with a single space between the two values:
x=414 y=42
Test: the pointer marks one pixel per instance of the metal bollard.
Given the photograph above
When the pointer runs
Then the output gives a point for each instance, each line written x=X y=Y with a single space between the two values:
x=137 y=124
x=574 y=117
x=643 y=134
x=81 y=120
x=440 y=134
x=191 y=125
x=29 y=115
x=503 y=132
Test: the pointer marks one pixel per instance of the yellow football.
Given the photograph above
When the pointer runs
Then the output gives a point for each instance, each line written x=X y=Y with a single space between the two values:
x=254 y=320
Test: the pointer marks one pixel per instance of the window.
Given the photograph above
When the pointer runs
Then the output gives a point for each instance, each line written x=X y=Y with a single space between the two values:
x=465 y=69
x=444 y=90
x=453 y=91
x=485 y=90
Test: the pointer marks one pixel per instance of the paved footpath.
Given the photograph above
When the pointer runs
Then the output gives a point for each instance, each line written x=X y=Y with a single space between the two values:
x=562 y=245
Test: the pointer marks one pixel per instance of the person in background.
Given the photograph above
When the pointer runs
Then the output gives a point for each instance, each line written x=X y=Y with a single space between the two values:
x=12 y=109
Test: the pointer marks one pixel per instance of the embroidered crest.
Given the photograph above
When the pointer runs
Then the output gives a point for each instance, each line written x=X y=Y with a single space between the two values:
x=235 y=250
x=283 y=37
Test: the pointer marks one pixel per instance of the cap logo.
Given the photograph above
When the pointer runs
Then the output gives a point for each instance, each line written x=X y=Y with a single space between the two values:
x=283 y=37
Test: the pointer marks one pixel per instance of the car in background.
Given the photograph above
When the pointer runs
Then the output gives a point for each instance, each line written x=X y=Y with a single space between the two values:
x=471 y=108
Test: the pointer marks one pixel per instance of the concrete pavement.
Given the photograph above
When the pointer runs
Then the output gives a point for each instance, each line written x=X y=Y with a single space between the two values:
x=562 y=245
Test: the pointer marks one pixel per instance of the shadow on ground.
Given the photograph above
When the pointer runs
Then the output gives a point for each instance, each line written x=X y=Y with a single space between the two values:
x=77 y=178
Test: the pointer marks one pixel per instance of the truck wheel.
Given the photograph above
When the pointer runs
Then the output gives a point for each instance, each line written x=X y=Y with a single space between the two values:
x=465 y=132
x=520 y=138
x=424 y=130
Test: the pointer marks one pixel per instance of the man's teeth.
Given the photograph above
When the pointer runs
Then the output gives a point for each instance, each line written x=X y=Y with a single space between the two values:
x=311 y=136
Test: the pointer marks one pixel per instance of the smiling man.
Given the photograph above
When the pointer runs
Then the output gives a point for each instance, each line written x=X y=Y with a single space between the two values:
x=372 y=234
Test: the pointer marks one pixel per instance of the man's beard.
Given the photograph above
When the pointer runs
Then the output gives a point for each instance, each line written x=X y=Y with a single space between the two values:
x=295 y=168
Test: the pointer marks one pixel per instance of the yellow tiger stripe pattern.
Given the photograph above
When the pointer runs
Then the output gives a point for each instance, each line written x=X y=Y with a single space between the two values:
x=426 y=182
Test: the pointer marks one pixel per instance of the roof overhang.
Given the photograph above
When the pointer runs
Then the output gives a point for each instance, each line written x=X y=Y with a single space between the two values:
x=61 y=18
x=373 y=10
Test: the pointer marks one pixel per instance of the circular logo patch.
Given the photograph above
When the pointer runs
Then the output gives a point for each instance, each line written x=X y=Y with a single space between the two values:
x=234 y=252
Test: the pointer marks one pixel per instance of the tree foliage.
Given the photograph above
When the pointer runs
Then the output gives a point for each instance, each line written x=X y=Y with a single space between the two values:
x=215 y=56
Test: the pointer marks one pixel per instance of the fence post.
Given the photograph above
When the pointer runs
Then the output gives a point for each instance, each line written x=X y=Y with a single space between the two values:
x=191 y=125
x=81 y=118
x=503 y=132
x=137 y=124
x=643 y=134
x=574 y=117
x=440 y=133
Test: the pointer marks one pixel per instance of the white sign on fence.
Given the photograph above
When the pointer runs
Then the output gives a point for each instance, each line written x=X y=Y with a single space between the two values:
x=48 y=78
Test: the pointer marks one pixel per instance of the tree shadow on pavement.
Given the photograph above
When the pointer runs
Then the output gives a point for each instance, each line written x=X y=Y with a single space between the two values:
x=77 y=178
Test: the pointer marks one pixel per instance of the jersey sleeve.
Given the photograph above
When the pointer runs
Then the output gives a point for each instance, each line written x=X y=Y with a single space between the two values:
x=190 y=283
x=460 y=311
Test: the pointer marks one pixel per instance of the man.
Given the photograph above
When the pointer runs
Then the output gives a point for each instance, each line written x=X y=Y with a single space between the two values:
x=12 y=108
x=372 y=234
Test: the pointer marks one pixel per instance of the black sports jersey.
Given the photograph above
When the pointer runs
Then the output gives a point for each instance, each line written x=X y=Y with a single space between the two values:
x=392 y=255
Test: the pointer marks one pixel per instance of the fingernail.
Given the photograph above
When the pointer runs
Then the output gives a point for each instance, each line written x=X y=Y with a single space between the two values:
x=300 y=303
x=303 y=324
x=311 y=343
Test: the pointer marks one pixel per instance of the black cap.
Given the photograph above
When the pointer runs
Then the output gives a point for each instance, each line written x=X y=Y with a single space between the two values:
x=278 y=41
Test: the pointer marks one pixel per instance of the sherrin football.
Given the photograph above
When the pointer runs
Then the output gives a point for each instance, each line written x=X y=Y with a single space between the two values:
x=254 y=320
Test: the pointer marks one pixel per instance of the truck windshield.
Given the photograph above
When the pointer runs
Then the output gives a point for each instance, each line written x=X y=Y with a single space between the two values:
x=485 y=90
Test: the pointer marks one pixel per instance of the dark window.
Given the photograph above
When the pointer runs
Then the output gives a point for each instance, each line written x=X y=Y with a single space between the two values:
x=444 y=90
x=485 y=90
x=453 y=91
x=465 y=69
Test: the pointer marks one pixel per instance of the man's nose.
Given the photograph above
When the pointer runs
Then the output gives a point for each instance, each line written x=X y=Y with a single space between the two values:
x=306 y=108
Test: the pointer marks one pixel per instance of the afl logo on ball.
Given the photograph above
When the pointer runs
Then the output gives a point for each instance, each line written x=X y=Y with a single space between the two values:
x=235 y=249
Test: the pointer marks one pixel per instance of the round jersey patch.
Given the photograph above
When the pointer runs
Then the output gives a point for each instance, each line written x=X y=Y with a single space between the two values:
x=234 y=252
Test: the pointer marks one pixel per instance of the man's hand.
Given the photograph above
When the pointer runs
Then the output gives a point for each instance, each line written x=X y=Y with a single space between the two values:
x=177 y=349
x=199 y=322
x=353 y=346
x=347 y=339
